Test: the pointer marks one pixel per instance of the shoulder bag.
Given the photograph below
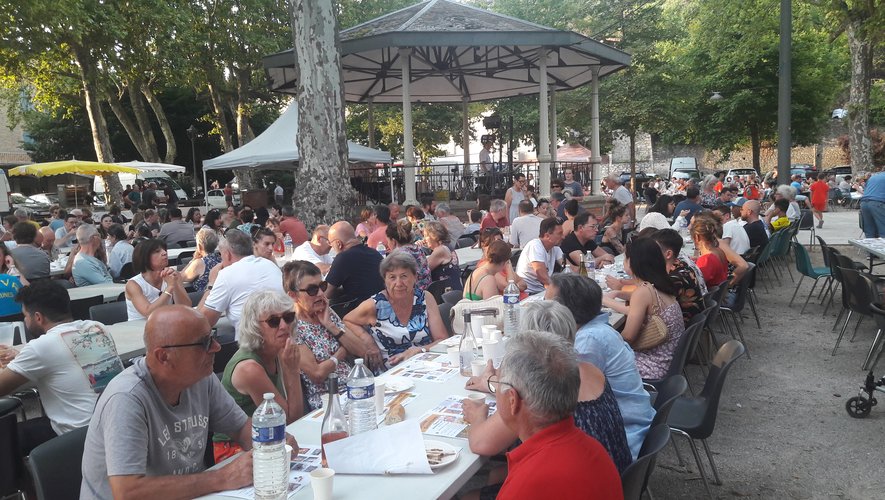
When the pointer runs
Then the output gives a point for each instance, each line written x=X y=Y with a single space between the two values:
x=654 y=330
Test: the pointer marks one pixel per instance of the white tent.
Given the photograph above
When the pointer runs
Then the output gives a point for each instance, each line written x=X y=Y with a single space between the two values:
x=275 y=148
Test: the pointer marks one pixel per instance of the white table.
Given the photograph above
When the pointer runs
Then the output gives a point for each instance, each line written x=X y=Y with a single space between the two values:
x=129 y=335
x=468 y=256
x=110 y=291
x=174 y=253
x=443 y=483
x=875 y=247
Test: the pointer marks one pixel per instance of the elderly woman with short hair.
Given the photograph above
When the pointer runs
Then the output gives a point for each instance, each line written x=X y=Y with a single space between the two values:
x=267 y=361
x=322 y=337
x=402 y=320
x=597 y=412
x=205 y=258
x=399 y=238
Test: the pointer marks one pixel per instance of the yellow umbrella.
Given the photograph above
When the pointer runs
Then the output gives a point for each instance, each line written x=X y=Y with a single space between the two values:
x=71 y=167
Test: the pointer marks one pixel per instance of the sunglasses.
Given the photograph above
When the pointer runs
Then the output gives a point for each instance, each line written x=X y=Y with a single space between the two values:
x=205 y=342
x=274 y=321
x=313 y=290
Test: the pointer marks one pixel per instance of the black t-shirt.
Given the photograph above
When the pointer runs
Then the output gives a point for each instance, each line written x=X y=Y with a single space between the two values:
x=355 y=272
x=149 y=198
x=756 y=233
x=570 y=243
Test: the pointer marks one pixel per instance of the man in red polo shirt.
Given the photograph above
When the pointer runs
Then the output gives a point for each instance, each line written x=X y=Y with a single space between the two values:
x=293 y=226
x=537 y=391
x=497 y=216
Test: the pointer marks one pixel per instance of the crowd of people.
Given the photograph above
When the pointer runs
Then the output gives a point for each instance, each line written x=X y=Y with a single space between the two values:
x=569 y=391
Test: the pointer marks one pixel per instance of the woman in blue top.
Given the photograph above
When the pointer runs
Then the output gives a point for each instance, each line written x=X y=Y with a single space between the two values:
x=400 y=238
x=402 y=320
x=10 y=283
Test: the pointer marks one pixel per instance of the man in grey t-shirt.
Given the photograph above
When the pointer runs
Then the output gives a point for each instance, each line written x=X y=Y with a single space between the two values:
x=152 y=422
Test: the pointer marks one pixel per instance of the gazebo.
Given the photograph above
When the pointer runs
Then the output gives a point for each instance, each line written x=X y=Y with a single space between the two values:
x=442 y=51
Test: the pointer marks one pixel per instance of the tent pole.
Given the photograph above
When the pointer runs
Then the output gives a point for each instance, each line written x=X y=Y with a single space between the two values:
x=205 y=191
x=543 y=148
x=595 y=158
x=408 y=146
x=371 y=122
x=465 y=136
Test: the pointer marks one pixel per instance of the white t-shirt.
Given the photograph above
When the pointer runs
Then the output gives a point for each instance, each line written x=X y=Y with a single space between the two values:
x=739 y=242
x=524 y=229
x=240 y=280
x=70 y=364
x=623 y=195
x=534 y=251
x=306 y=252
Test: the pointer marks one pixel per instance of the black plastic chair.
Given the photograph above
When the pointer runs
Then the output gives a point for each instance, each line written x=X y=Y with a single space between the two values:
x=126 y=272
x=438 y=288
x=227 y=351
x=56 y=478
x=196 y=297
x=514 y=257
x=464 y=242
x=858 y=293
x=668 y=391
x=806 y=223
x=445 y=312
x=695 y=417
x=634 y=479
x=452 y=296
x=110 y=313
x=10 y=454
x=80 y=307
x=734 y=310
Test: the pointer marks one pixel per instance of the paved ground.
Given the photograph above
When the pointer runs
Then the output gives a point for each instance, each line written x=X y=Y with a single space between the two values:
x=782 y=430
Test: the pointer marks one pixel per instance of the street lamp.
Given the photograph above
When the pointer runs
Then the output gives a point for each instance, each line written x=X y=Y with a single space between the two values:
x=192 y=133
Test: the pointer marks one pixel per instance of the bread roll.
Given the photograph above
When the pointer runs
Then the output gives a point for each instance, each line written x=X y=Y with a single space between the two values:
x=395 y=414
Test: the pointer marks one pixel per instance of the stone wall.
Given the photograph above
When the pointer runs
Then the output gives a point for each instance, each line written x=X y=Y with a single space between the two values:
x=11 y=153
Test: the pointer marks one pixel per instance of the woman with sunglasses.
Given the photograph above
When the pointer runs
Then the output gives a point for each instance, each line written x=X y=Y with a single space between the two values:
x=268 y=360
x=155 y=284
x=319 y=332
x=401 y=319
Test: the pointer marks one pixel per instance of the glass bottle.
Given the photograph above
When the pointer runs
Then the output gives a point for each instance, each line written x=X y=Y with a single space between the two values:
x=334 y=422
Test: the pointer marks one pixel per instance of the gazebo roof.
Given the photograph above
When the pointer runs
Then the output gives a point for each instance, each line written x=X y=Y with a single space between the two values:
x=457 y=51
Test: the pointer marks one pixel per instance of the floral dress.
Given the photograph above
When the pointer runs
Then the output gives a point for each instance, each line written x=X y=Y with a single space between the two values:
x=323 y=346
x=601 y=419
x=209 y=262
x=423 y=268
x=391 y=336
x=689 y=297
x=653 y=363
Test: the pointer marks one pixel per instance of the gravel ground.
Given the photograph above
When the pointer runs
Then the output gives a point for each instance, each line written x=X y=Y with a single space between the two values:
x=782 y=429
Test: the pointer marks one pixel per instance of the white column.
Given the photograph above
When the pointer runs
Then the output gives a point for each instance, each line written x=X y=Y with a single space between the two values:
x=554 y=142
x=594 y=139
x=408 y=147
x=465 y=135
x=371 y=122
x=543 y=148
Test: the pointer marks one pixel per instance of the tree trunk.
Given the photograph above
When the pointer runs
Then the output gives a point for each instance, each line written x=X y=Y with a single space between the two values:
x=129 y=126
x=218 y=109
x=859 y=143
x=322 y=178
x=165 y=127
x=633 y=162
x=240 y=110
x=101 y=138
x=136 y=100
x=756 y=145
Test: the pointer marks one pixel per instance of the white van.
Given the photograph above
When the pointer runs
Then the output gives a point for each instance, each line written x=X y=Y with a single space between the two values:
x=685 y=164
x=5 y=198
x=161 y=178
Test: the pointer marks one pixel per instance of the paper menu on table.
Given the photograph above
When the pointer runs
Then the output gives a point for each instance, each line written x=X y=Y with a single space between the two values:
x=403 y=398
x=393 y=449
x=445 y=419
x=300 y=467
x=428 y=371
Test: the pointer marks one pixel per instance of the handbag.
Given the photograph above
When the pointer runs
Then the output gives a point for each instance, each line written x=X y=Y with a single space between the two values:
x=654 y=330
x=457 y=312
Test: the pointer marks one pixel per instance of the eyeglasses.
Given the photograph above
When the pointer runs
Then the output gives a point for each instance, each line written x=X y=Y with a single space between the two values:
x=493 y=385
x=205 y=342
x=313 y=290
x=274 y=321
x=594 y=226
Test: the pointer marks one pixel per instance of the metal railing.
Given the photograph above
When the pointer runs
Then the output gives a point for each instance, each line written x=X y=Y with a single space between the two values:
x=453 y=182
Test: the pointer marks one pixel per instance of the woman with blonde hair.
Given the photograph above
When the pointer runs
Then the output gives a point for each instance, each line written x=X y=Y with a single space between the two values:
x=705 y=232
x=442 y=261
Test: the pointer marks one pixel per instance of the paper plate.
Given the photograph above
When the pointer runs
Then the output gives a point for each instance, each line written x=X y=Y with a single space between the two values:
x=395 y=385
x=440 y=454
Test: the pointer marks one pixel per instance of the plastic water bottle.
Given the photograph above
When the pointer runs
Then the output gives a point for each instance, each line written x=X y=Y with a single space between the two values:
x=361 y=399
x=270 y=462
x=511 y=309
x=381 y=249
x=287 y=242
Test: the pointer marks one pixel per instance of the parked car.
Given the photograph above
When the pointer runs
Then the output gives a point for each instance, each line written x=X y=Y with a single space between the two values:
x=641 y=177
x=685 y=174
x=802 y=169
x=215 y=198
x=838 y=171
x=35 y=207
x=736 y=173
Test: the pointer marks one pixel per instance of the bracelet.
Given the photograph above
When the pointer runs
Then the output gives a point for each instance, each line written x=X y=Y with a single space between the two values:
x=340 y=334
x=334 y=361
x=167 y=293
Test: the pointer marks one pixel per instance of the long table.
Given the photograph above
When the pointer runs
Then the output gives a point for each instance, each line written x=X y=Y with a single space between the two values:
x=129 y=335
x=875 y=247
x=110 y=291
x=443 y=483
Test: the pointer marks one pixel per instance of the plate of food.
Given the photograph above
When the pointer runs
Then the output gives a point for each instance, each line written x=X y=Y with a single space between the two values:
x=394 y=385
x=440 y=454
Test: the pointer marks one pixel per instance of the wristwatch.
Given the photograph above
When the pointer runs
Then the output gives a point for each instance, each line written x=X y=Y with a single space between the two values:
x=208 y=287
x=340 y=334
x=334 y=361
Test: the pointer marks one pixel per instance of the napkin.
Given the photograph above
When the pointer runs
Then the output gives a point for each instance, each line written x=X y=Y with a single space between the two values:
x=392 y=449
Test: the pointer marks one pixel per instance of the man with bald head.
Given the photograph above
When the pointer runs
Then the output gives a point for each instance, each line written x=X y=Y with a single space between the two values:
x=48 y=242
x=354 y=275
x=754 y=227
x=316 y=250
x=148 y=434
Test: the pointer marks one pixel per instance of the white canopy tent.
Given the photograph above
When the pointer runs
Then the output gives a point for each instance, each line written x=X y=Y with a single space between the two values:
x=275 y=148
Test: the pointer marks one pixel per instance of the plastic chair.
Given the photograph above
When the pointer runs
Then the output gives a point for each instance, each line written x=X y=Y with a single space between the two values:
x=464 y=242
x=196 y=297
x=109 y=314
x=126 y=272
x=634 y=479
x=445 y=310
x=514 y=258
x=452 y=296
x=80 y=307
x=805 y=268
x=227 y=351
x=10 y=454
x=438 y=288
x=695 y=417
x=55 y=478
x=668 y=391
x=734 y=310
x=684 y=348
x=806 y=223
x=858 y=292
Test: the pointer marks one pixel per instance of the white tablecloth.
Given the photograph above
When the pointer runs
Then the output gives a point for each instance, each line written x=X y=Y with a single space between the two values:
x=110 y=291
